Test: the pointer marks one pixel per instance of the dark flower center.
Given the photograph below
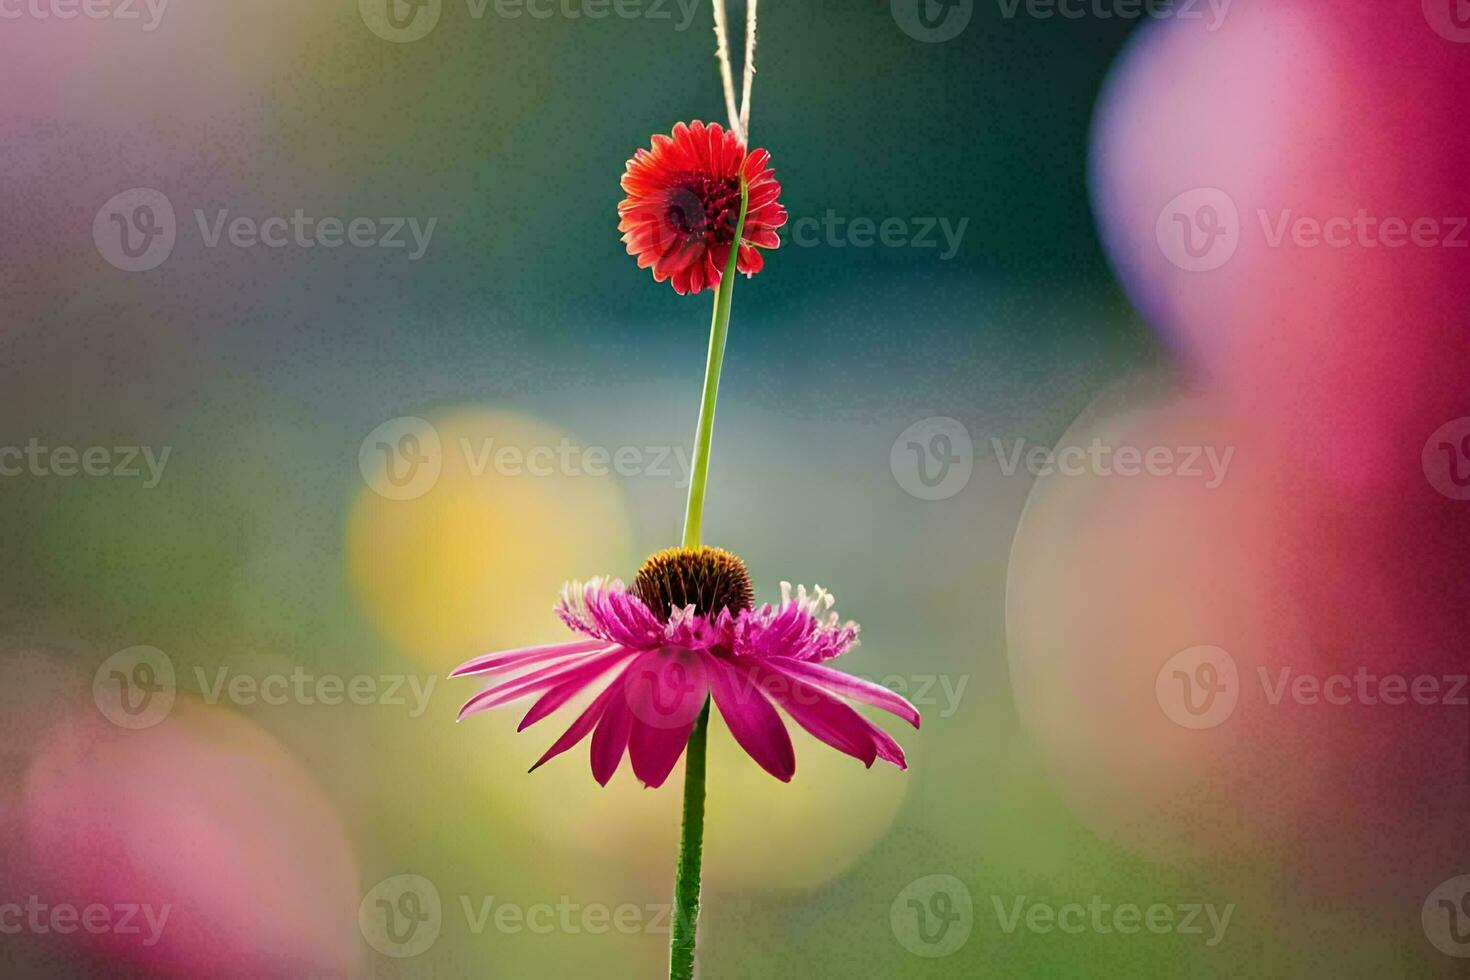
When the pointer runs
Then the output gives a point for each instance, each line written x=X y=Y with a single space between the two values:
x=705 y=206
x=710 y=579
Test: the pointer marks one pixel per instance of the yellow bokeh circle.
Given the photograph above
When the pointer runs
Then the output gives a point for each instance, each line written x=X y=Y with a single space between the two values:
x=476 y=561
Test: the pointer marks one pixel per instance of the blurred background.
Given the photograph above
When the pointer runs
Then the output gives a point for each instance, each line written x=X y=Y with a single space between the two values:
x=1112 y=372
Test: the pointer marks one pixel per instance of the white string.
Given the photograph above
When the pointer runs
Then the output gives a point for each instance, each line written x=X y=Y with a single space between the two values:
x=749 y=70
x=739 y=118
x=722 y=52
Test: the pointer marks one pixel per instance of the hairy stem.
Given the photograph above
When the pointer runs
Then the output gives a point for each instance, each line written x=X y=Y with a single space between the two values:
x=691 y=855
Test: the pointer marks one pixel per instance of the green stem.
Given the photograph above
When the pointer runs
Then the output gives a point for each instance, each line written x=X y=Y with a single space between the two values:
x=691 y=855
x=691 y=841
x=705 y=430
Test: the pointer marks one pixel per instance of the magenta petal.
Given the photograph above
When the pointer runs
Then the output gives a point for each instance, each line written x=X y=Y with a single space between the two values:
x=578 y=729
x=819 y=713
x=586 y=668
x=752 y=720
x=667 y=688
x=655 y=751
x=554 y=698
x=855 y=688
x=525 y=656
x=607 y=610
x=611 y=737
x=888 y=749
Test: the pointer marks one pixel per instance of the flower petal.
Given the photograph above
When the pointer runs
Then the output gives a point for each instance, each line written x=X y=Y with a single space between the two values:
x=655 y=751
x=750 y=261
x=678 y=215
x=579 y=728
x=554 y=698
x=611 y=737
x=524 y=657
x=848 y=686
x=752 y=720
x=888 y=749
x=587 y=669
x=666 y=690
x=605 y=609
x=821 y=714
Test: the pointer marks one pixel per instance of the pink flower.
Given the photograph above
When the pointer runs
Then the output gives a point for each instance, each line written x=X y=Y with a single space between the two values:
x=686 y=631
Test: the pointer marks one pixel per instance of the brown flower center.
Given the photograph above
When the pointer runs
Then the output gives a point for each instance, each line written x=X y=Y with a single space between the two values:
x=710 y=579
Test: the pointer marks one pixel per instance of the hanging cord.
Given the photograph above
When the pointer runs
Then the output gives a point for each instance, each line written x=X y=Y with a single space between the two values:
x=739 y=116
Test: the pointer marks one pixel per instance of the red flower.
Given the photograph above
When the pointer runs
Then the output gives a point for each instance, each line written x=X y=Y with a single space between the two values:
x=684 y=200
